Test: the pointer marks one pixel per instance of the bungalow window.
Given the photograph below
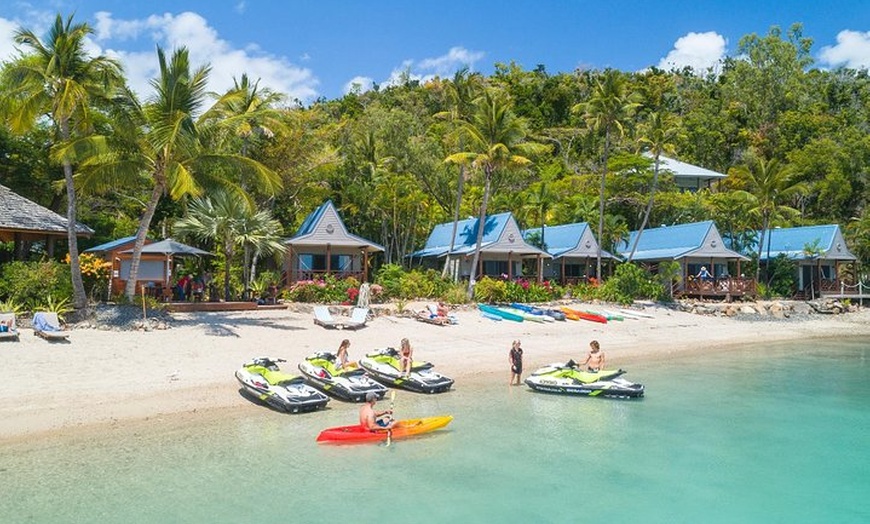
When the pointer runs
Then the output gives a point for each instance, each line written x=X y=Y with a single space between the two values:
x=495 y=267
x=318 y=262
x=575 y=270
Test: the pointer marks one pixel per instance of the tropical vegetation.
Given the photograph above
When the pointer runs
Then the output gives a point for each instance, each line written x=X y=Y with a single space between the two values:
x=551 y=148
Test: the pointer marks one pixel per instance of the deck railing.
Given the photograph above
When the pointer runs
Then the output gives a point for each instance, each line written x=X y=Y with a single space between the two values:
x=718 y=287
x=319 y=274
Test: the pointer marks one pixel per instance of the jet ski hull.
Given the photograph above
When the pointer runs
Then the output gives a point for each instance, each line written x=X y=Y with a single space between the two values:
x=566 y=380
x=281 y=391
x=383 y=366
x=351 y=385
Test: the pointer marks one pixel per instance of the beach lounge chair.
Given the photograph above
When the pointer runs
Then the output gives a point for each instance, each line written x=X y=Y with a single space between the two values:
x=357 y=318
x=322 y=317
x=428 y=316
x=47 y=326
x=8 y=329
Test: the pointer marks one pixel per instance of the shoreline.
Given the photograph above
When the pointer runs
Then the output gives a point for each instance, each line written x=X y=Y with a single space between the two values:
x=107 y=379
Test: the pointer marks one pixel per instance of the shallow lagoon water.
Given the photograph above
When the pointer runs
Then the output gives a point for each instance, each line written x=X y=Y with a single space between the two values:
x=737 y=436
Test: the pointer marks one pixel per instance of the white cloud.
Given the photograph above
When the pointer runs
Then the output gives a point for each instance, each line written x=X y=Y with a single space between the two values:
x=424 y=70
x=241 y=6
x=7 y=46
x=699 y=51
x=852 y=50
x=361 y=84
x=206 y=47
x=454 y=60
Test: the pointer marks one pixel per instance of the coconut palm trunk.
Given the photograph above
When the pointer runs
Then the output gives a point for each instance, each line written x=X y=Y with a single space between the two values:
x=459 y=187
x=80 y=298
x=480 y=226
x=142 y=234
x=649 y=206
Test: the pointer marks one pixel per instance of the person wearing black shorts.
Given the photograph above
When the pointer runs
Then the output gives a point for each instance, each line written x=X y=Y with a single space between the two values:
x=516 y=359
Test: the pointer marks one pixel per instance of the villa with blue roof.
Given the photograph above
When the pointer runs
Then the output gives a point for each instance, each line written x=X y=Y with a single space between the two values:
x=707 y=267
x=153 y=268
x=573 y=248
x=817 y=251
x=323 y=245
x=503 y=249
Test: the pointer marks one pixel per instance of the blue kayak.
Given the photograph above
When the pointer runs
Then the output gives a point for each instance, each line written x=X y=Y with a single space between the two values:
x=492 y=310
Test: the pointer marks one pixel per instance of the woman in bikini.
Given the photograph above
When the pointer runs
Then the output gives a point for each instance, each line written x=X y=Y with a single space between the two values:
x=341 y=356
x=406 y=357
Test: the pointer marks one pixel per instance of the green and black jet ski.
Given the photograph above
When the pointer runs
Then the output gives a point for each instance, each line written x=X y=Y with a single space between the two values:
x=262 y=378
x=384 y=365
x=567 y=379
x=350 y=383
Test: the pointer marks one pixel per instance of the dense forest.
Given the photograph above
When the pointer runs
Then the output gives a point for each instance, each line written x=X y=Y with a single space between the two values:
x=551 y=148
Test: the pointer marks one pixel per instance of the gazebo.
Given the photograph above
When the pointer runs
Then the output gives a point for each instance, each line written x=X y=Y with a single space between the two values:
x=22 y=220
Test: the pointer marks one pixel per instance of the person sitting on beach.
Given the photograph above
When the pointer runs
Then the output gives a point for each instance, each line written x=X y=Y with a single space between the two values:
x=594 y=358
x=516 y=359
x=442 y=310
x=341 y=356
x=406 y=357
x=372 y=420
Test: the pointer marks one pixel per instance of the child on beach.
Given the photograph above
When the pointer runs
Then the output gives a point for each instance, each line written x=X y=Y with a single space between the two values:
x=594 y=358
x=515 y=356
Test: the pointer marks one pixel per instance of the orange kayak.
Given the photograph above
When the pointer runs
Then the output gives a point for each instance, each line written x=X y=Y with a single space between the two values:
x=575 y=314
x=402 y=429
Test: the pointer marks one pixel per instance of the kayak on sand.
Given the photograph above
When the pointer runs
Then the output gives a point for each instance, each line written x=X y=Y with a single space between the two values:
x=402 y=429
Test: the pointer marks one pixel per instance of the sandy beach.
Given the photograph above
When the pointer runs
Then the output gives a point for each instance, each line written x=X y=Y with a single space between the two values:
x=107 y=377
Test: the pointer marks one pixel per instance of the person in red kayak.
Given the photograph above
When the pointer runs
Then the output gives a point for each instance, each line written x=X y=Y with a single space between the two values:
x=594 y=358
x=371 y=419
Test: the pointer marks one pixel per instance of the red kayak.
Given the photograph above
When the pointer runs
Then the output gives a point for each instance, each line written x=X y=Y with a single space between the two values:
x=402 y=429
x=592 y=317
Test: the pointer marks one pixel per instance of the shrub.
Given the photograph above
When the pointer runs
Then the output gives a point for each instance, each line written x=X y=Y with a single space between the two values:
x=457 y=293
x=630 y=282
x=95 y=274
x=33 y=283
x=389 y=276
x=398 y=283
x=324 y=291
x=490 y=290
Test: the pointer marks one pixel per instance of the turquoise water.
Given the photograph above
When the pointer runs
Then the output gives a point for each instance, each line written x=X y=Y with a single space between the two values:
x=736 y=436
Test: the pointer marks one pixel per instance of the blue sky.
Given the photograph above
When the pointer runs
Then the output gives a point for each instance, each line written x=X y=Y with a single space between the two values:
x=319 y=48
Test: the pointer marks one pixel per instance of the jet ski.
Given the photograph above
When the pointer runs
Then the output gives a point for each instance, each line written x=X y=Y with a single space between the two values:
x=351 y=383
x=262 y=378
x=567 y=379
x=384 y=365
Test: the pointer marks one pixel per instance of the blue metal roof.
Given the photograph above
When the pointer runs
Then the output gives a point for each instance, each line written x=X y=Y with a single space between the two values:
x=438 y=242
x=559 y=239
x=667 y=241
x=312 y=219
x=792 y=241
x=108 y=246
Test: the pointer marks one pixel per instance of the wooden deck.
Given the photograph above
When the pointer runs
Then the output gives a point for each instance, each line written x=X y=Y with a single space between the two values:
x=188 y=307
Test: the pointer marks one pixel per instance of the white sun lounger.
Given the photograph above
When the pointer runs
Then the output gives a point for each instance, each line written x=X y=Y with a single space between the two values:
x=322 y=317
x=358 y=318
x=8 y=320
x=47 y=326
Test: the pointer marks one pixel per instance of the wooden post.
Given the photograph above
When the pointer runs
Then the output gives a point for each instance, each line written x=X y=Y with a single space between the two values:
x=563 y=271
x=540 y=268
x=479 y=267
x=365 y=267
x=328 y=258
x=510 y=267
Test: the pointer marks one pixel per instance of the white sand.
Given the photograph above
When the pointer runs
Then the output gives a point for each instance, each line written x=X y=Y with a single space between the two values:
x=115 y=377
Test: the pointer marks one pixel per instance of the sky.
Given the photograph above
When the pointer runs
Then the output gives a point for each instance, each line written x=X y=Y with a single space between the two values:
x=310 y=49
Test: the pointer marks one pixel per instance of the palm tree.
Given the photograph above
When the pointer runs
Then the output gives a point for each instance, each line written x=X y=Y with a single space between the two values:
x=170 y=154
x=230 y=222
x=768 y=186
x=58 y=79
x=461 y=93
x=657 y=132
x=495 y=138
x=609 y=106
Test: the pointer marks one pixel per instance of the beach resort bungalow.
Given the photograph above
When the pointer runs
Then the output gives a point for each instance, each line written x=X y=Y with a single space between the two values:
x=573 y=249
x=819 y=252
x=688 y=177
x=323 y=246
x=503 y=249
x=156 y=264
x=25 y=222
x=707 y=267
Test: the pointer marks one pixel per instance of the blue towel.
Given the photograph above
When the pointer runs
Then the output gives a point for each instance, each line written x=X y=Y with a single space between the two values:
x=41 y=324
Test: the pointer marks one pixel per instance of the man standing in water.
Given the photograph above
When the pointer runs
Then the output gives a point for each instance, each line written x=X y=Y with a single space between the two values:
x=594 y=358
x=369 y=418
x=516 y=359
